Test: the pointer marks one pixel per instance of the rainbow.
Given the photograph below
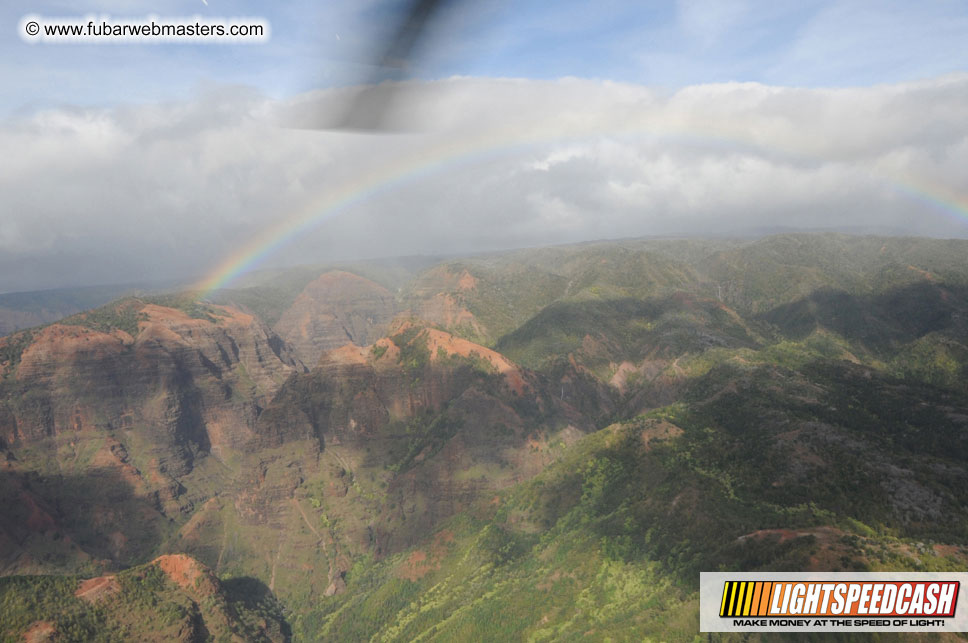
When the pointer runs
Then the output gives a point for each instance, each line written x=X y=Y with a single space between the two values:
x=932 y=194
x=367 y=185
x=436 y=159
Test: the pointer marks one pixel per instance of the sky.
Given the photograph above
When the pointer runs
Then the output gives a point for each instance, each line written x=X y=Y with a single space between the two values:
x=527 y=123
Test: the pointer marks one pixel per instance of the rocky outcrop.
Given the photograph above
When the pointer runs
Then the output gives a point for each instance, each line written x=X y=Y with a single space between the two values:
x=335 y=309
x=184 y=384
x=188 y=574
x=441 y=295
x=447 y=421
x=356 y=391
x=119 y=421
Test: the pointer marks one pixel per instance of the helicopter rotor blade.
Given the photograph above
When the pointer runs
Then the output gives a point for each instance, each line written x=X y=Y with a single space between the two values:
x=372 y=106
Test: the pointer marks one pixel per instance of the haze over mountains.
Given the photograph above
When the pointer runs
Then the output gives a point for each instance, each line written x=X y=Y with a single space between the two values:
x=526 y=162
x=562 y=436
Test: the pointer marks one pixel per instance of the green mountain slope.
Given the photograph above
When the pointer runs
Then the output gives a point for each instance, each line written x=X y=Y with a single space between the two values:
x=761 y=468
x=547 y=444
x=171 y=598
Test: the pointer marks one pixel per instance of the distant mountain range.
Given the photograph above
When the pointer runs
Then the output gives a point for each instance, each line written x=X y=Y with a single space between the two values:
x=35 y=308
x=539 y=444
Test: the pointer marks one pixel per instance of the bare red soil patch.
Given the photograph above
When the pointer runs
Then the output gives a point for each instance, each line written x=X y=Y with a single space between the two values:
x=93 y=589
x=467 y=281
x=348 y=354
x=421 y=563
x=40 y=632
x=660 y=431
x=187 y=573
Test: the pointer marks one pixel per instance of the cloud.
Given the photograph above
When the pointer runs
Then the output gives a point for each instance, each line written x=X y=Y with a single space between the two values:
x=170 y=190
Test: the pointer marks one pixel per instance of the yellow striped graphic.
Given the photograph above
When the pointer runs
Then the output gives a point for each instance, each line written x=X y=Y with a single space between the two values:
x=745 y=598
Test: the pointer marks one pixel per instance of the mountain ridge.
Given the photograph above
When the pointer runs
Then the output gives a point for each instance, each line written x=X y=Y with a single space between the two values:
x=563 y=423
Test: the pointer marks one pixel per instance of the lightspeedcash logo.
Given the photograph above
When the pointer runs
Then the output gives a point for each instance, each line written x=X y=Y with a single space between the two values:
x=859 y=598
x=832 y=602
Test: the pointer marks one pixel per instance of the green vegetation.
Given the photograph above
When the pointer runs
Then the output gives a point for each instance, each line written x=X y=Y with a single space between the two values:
x=122 y=315
x=187 y=303
x=138 y=604
x=24 y=600
x=610 y=331
x=935 y=359
x=794 y=444
x=414 y=354
x=612 y=537
x=11 y=350
x=426 y=435
x=795 y=402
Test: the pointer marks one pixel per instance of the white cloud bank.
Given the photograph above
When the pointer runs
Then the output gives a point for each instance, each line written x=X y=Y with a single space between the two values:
x=158 y=191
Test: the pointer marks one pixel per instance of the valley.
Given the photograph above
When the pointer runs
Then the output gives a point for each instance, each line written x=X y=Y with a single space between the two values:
x=542 y=444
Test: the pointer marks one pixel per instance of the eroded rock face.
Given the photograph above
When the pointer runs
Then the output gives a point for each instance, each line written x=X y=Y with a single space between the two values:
x=336 y=309
x=440 y=296
x=184 y=384
x=117 y=423
x=362 y=455
x=357 y=391
x=435 y=421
